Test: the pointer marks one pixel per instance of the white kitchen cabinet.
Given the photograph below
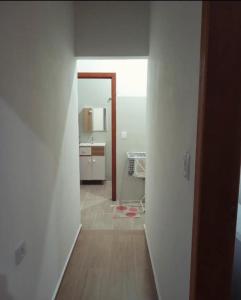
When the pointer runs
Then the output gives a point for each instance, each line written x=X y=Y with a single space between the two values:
x=85 y=163
x=92 y=162
x=85 y=151
x=98 y=167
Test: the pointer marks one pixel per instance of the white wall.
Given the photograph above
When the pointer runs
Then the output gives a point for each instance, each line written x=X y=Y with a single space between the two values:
x=131 y=118
x=171 y=131
x=131 y=74
x=39 y=173
x=112 y=28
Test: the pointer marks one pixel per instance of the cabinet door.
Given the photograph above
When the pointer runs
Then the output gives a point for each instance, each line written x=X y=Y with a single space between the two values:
x=98 y=167
x=85 y=166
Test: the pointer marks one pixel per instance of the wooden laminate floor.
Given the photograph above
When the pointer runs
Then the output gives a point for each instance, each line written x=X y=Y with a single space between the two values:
x=109 y=265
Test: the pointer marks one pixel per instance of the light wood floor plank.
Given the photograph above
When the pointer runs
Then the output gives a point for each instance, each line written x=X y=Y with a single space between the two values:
x=109 y=265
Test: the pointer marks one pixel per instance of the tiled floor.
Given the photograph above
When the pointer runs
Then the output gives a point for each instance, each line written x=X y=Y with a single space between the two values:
x=97 y=213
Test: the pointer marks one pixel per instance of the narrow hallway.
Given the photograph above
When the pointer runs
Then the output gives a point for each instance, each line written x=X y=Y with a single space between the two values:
x=114 y=264
x=103 y=116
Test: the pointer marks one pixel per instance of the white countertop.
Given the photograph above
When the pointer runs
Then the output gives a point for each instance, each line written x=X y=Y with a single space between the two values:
x=92 y=144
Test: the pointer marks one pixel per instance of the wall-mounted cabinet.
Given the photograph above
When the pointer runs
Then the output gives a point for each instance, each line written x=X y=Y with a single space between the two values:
x=87 y=119
x=94 y=119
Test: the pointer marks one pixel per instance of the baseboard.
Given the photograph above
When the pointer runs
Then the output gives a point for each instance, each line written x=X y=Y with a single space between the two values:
x=66 y=263
x=152 y=264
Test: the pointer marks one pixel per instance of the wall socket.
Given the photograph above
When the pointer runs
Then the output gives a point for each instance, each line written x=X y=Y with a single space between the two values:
x=20 y=252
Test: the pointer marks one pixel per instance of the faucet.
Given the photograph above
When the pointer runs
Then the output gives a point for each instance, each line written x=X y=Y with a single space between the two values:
x=91 y=139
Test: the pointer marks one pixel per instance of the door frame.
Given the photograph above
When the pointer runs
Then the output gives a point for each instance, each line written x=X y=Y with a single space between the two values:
x=217 y=152
x=112 y=76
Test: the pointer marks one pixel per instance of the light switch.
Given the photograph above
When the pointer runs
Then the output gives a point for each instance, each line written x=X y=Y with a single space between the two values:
x=186 y=165
x=20 y=252
x=123 y=135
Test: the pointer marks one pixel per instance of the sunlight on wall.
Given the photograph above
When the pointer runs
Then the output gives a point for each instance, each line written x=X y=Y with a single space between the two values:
x=131 y=73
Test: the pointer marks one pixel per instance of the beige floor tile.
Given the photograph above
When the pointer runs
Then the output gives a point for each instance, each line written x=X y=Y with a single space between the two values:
x=96 y=210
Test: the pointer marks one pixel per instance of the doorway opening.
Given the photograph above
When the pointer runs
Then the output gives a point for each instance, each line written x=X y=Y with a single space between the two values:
x=112 y=111
x=97 y=122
